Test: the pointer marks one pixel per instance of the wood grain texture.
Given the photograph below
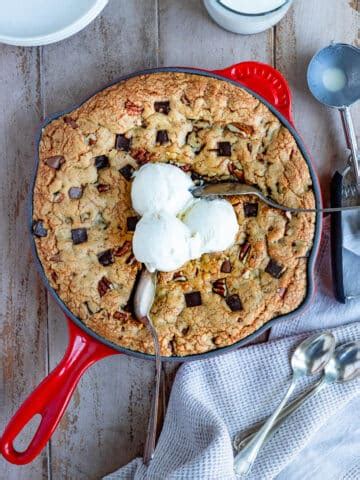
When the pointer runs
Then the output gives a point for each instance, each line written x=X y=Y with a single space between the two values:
x=23 y=299
x=105 y=424
x=308 y=27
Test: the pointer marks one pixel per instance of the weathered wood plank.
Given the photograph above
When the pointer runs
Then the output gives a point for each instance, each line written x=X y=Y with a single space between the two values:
x=188 y=37
x=105 y=424
x=23 y=309
x=308 y=27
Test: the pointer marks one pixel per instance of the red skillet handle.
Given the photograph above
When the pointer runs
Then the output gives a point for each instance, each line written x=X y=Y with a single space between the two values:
x=264 y=80
x=52 y=396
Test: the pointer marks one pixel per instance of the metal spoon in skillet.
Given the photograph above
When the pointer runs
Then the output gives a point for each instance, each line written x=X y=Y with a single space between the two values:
x=143 y=300
x=224 y=189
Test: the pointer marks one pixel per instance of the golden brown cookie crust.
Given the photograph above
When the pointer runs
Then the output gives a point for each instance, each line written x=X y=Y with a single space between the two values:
x=198 y=113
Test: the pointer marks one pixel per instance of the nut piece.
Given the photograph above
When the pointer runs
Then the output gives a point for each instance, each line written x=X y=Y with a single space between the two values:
x=219 y=287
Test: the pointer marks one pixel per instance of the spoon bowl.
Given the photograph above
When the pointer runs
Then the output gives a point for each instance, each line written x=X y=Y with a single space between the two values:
x=311 y=356
x=344 y=365
x=333 y=75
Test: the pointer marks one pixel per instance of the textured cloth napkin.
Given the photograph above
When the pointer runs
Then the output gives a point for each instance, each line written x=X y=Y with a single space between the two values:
x=212 y=400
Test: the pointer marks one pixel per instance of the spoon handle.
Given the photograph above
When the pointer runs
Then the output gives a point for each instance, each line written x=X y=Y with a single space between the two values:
x=244 y=460
x=240 y=442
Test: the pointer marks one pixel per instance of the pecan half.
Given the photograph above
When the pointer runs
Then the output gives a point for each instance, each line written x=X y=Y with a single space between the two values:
x=120 y=316
x=141 y=155
x=179 y=277
x=236 y=172
x=244 y=251
x=132 y=108
x=241 y=129
x=125 y=248
x=219 y=287
x=103 y=286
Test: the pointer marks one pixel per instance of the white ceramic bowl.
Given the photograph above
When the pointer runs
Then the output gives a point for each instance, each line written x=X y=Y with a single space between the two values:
x=39 y=22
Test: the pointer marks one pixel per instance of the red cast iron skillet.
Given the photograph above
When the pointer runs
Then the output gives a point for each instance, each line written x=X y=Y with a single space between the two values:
x=85 y=347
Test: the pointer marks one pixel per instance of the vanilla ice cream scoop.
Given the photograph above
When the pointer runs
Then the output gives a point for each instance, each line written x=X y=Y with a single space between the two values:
x=164 y=243
x=160 y=186
x=215 y=221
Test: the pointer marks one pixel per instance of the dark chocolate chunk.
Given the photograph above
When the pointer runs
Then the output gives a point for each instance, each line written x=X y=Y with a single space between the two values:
x=251 y=209
x=131 y=223
x=274 y=269
x=55 y=162
x=162 y=137
x=79 y=235
x=122 y=143
x=127 y=171
x=162 y=107
x=103 y=187
x=75 y=192
x=38 y=228
x=226 y=266
x=102 y=161
x=193 y=299
x=224 y=149
x=103 y=286
x=234 y=302
x=106 y=258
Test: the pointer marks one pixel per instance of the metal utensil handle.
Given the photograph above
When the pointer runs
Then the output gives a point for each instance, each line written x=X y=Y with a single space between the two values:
x=244 y=460
x=239 y=443
x=154 y=408
x=348 y=126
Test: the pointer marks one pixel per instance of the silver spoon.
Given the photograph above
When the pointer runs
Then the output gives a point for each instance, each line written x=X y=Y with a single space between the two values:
x=309 y=358
x=143 y=300
x=343 y=366
x=224 y=189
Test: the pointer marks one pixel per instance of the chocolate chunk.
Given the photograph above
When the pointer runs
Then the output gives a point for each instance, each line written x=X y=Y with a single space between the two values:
x=224 y=149
x=251 y=209
x=55 y=162
x=75 y=192
x=274 y=269
x=38 y=228
x=127 y=171
x=122 y=143
x=234 y=302
x=103 y=187
x=71 y=122
x=79 y=235
x=226 y=266
x=219 y=287
x=131 y=223
x=193 y=299
x=162 y=107
x=103 y=286
x=106 y=258
x=102 y=161
x=162 y=137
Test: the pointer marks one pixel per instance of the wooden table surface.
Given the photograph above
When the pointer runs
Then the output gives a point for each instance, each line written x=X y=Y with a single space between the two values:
x=104 y=426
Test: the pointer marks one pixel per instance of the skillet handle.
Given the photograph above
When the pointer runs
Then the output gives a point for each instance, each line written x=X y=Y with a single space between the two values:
x=264 y=80
x=52 y=396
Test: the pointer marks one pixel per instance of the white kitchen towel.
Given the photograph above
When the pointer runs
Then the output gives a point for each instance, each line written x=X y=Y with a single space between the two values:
x=212 y=400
